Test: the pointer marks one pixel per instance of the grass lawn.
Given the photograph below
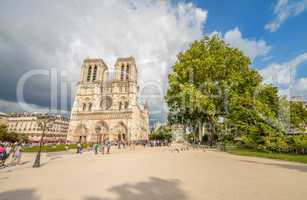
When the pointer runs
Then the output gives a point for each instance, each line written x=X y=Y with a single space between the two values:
x=50 y=148
x=272 y=155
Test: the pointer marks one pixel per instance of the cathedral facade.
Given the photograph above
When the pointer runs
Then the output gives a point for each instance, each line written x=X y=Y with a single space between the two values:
x=107 y=108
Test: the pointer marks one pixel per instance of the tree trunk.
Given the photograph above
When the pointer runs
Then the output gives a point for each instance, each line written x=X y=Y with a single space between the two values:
x=213 y=132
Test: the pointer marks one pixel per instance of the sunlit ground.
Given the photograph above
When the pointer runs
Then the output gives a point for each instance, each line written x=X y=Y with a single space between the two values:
x=154 y=174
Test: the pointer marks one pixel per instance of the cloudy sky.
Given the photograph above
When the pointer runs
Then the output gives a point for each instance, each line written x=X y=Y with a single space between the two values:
x=43 y=43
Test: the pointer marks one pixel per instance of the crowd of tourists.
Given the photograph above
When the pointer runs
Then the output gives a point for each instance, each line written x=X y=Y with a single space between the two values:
x=158 y=143
x=11 y=151
x=105 y=146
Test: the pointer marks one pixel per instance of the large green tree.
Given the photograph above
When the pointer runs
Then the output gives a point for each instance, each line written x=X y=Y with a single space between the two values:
x=298 y=115
x=211 y=80
x=11 y=136
x=162 y=133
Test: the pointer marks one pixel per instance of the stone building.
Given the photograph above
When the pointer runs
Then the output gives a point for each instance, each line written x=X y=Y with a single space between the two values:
x=108 y=108
x=28 y=124
x=3 y=118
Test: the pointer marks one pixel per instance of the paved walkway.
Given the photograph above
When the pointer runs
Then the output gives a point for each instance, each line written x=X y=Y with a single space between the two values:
x=147 y=174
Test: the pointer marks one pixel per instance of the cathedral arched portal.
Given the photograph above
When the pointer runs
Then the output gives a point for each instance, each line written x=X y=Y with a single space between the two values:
x=121 y=131
x=81 y=133
x=102 y=131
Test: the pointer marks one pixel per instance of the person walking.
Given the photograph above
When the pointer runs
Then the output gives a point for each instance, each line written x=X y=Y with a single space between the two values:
x=2 y=154
x=118 y=144
x=78 y=148
x=102 y=147
x=66 y=147
x=109 y=143
x=17 y=154
x=96 y=147
x=8 y=151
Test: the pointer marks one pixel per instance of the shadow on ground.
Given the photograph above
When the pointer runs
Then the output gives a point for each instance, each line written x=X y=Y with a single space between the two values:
x=154 y=189
x=298 y=167
x=22 y=194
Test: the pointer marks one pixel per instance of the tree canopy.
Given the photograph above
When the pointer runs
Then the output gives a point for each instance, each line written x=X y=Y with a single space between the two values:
x=298 y=115
x=162 y=133
x=11 y=137
x=212 y=80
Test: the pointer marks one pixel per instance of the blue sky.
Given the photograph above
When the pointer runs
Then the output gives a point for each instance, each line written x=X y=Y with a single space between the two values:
x=286 y=41
x=251 y=16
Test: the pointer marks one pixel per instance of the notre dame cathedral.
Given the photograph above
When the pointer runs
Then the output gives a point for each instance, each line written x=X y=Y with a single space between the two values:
x=108 y=108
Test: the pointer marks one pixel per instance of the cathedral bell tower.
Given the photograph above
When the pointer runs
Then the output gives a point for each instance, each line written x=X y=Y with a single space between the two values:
x=125 y=82
x=93 y=70
x=126 y=70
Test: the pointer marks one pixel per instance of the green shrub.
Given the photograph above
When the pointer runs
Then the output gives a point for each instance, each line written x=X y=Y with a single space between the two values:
x=53 y=148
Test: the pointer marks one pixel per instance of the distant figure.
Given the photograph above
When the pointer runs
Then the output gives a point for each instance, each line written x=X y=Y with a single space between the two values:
x=102 y=145
x=17 y=154
x=2 y=149
x=2 y=154
x=96 y=148
x=124 y=144
x=118 y=144
x=109 y=143
x=66 y=147
x=78 y=148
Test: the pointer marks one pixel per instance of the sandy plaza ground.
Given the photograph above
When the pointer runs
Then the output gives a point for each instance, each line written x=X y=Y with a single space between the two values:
x=154 y=173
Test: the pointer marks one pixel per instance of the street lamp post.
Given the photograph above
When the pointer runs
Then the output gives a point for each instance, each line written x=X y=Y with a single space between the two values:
x=43 y=121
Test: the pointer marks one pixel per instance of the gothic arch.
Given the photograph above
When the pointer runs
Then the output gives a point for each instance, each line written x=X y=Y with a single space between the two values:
x=101 y=127
x=89 y=73
x=123 y=103
x=122 y=72
x=83 y=106
x=81 y=130
x=95 y=73
x=126 y=104
x=90 y=106
x=101 y=131
x=121 y=131
x=127 y=71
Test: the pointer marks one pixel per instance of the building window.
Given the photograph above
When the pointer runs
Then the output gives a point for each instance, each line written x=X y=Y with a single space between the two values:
x=95 y=73
x=108 y=102
x=127 y=72
x=89 y=73
x=122 y=71
x=89 y=106
x=101 y=104
x=83 y=107
x=126 y=105
x=120 y=105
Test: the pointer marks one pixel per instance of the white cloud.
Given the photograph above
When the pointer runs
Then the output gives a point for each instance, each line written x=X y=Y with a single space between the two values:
x=300 y=88
x=63 y=33
x=252 y=48
x=283 y=75
x=10 y=106
x=283 y=10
